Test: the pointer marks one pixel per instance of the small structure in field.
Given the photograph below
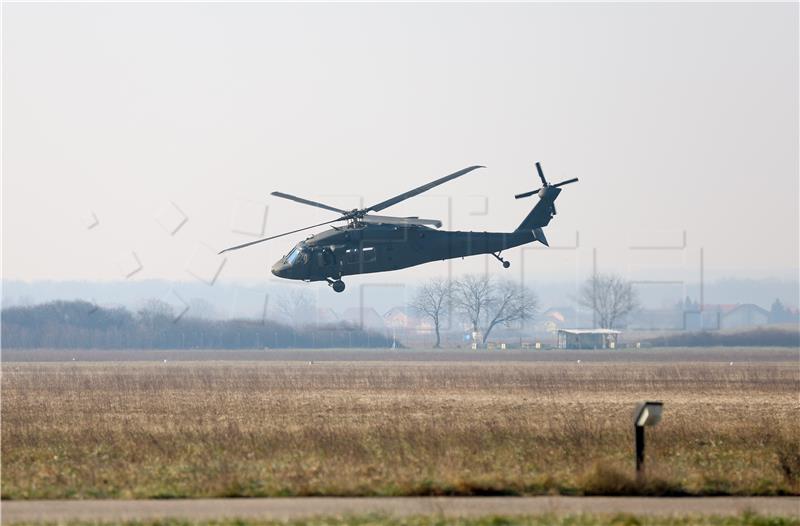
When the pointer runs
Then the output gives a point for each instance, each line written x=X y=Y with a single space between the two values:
x=587 y=338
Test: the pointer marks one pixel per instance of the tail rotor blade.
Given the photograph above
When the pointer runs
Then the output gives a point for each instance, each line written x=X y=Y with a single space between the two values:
x=541 y=173
x=544 y=183
x=568 y=181
x=527 y=194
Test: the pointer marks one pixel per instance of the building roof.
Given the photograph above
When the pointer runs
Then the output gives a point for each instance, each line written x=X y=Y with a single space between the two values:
x=749 y=306
x=725 y=308
x=589 y=331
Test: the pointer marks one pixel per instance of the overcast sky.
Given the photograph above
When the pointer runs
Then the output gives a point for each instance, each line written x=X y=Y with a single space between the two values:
x=676 y=118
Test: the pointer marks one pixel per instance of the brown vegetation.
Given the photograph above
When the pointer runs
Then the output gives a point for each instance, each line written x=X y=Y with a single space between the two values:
x=270 y=428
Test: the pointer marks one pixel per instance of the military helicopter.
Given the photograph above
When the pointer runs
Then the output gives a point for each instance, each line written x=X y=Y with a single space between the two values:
x=375 y=243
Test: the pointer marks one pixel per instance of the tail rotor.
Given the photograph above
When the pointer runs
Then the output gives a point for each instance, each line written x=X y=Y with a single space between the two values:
x=545 y=184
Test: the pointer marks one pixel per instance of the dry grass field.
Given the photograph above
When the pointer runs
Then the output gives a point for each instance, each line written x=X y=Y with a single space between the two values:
x=542 y=520
x=175 y=429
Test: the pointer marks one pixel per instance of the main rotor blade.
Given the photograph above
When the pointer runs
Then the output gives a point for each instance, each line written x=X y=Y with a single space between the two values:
x=307 y=202
x=416 y=191
x=541 y=173
x=562 y=183
x=389 y=220
x=237 y=247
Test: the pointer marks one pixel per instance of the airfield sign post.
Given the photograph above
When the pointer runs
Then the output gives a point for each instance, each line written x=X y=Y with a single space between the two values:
x=646 y=414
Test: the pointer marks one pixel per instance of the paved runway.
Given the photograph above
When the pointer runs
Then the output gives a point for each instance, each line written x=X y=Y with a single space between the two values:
x=296 y=508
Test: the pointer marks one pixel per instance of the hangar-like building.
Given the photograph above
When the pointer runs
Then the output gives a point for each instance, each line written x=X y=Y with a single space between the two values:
x=587 y=338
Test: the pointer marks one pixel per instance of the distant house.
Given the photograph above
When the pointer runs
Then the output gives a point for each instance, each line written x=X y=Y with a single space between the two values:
x=733 y=316
x=657 y=319
x=557 y=317
x=587 y=338
x=745 y=315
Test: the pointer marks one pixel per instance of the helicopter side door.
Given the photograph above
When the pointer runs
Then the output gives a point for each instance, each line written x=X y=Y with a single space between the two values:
x=360 y=260
x=325 y=261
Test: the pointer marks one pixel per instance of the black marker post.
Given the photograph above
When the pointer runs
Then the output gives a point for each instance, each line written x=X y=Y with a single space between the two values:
x=646 y=414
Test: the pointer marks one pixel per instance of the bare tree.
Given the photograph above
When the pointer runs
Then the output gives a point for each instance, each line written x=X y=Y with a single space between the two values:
x=486 y=303
x=511 y=302
x=296 y=306
x=610 y=297
x=472 y=296
x=433 y=301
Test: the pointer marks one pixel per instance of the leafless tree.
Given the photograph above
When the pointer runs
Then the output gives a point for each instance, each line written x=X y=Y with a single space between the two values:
x=486 y=303
x=432 y=300
x=610 y=297
x=472 y=296
x=296 y=306
x=511 y=302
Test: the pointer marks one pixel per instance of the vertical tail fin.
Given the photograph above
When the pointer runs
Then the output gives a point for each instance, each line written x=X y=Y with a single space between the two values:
x=544 y=210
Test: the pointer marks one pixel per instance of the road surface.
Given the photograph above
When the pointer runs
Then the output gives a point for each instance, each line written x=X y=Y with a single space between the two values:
x=296 y=508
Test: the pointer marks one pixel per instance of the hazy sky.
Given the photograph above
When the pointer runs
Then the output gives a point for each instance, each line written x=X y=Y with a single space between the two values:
x=675 y=117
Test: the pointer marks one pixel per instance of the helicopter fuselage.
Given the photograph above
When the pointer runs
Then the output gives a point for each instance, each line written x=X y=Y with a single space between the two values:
x=366 y=248
x=377 y=243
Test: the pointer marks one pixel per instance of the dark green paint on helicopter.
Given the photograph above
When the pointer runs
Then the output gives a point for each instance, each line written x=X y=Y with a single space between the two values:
x=370 y=243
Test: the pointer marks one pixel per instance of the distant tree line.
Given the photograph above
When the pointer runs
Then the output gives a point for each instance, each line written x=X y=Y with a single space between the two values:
x=760 y=337
x=79 y=324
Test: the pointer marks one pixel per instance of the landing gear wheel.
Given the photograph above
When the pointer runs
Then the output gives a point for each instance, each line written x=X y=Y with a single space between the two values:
x=338 y=285
x=505 y=263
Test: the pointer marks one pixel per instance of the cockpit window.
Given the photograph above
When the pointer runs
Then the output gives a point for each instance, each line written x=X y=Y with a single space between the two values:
x=292 y=256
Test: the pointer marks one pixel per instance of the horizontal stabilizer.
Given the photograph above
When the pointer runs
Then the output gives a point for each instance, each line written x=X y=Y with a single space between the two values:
x=538 y=235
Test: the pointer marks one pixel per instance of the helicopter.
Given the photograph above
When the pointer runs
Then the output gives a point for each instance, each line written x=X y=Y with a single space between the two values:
x=370 y=243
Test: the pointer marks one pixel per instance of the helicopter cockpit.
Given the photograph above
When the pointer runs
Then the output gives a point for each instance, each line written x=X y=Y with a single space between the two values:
x=292 y=264
x=294 y=254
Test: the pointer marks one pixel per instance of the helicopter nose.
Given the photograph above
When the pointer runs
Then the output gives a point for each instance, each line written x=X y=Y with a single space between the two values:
x=279 y=269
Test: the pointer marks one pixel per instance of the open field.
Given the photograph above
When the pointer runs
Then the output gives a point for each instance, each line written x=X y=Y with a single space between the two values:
x=269 y=428
x=659 y=355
